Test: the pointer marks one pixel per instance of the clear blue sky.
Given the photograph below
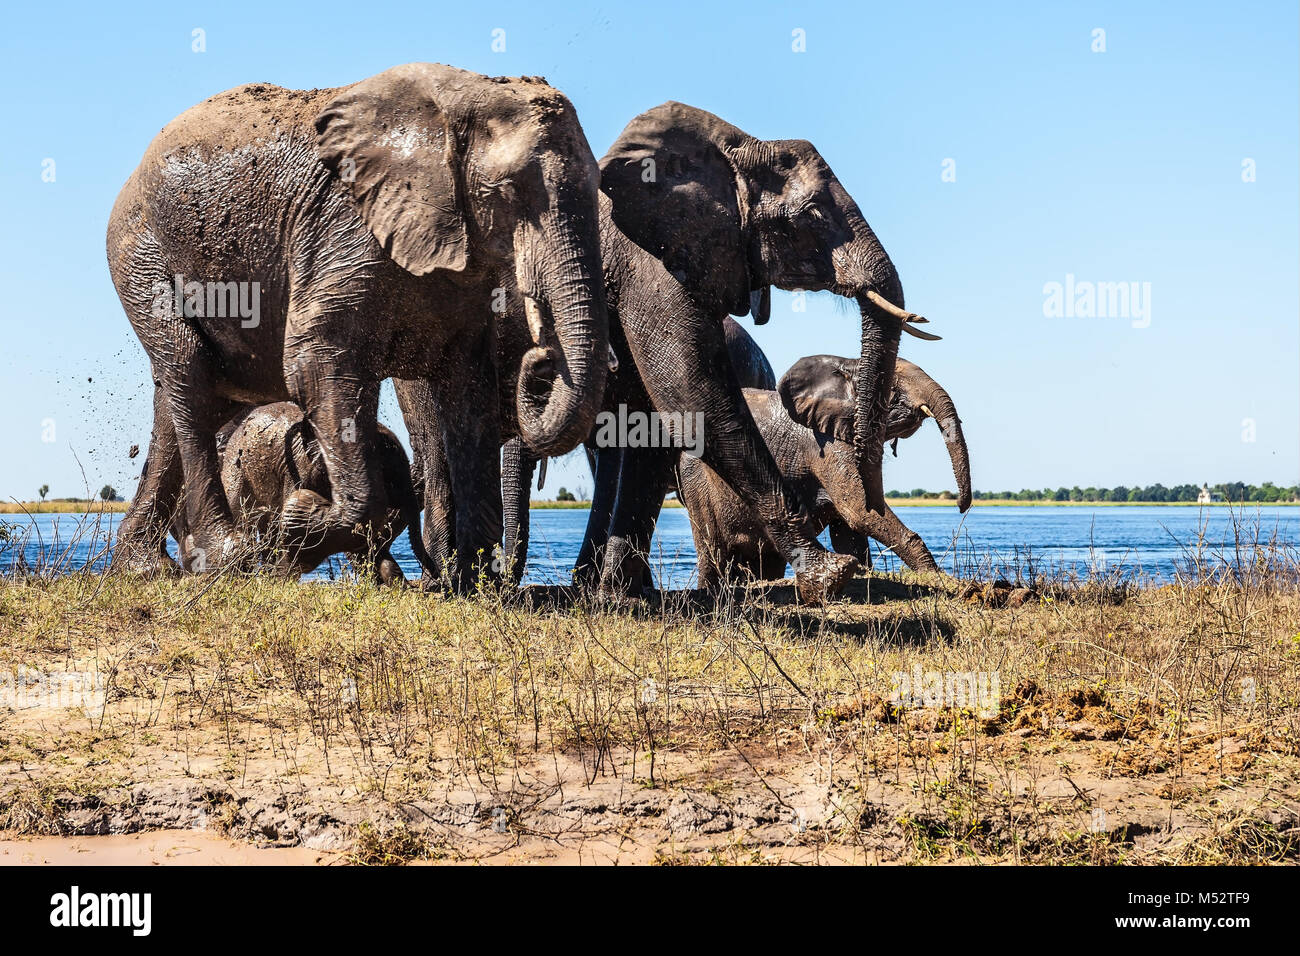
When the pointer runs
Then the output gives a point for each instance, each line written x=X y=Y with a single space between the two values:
x=1122 y=166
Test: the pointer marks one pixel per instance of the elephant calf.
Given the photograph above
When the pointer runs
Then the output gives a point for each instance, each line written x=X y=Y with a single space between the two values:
x=808 y=424
x=267 y=453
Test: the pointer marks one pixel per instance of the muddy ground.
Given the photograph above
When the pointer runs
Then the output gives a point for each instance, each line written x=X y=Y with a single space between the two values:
x=281 y=723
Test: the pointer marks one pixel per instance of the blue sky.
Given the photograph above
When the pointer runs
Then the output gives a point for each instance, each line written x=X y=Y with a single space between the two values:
x=1116 y=166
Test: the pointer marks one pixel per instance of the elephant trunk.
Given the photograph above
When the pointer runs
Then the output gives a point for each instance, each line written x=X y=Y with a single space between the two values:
x=875 y=376
x=863 y=270
x=944 y=412
x=562 y=378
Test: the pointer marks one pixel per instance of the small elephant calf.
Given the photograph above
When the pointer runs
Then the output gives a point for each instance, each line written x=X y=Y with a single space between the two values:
x=267 y=453
x=807 y=422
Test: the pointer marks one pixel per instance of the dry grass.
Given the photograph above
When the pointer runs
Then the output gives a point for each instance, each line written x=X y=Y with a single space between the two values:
x=1155 y=724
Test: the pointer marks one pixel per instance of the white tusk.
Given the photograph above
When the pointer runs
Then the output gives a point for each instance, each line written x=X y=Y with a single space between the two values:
x=925 y=410
x=901 y=314
x=533 y=311
x=613 y=359
x=928 y=336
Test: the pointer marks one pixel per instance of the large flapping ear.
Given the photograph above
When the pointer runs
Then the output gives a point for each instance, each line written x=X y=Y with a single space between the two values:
x=676 y=194
x=388 y=140
x=819 y=393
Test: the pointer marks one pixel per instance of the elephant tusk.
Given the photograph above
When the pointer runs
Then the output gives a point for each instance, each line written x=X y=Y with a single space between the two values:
x=541 y=474
x=613 y=359
x=901 y=314
x=533 y=311
x=925 y=410
x=928 y=336
x=909 y=319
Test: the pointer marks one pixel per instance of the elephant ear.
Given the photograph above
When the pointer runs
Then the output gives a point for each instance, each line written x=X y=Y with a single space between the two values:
x=676 y=194
x=388 y=140
x=818 y=393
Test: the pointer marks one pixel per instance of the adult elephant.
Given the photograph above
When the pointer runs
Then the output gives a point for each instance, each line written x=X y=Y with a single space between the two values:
x=726 y=216
x=371 y=230
x=808 y=423
x=267 y=454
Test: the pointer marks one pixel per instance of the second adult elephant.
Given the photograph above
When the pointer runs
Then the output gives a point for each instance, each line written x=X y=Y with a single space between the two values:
x=726 y=216
x=808 y=422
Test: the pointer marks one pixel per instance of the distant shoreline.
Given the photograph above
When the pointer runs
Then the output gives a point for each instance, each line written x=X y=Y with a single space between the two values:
x=1015 y=503
x=564 y=505
x=119 y=507
x=988 y=503
x=63 y=507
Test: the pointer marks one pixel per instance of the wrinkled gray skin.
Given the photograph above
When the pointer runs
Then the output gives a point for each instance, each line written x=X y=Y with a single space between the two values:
x=728 y=216
x=752 y=370
x=700 y=220
x=267 y=454
x=808 y=424
x=381 y=222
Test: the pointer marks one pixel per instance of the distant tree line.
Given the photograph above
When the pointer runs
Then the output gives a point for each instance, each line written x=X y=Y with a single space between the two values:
x=1228 y=491
x=107 y=493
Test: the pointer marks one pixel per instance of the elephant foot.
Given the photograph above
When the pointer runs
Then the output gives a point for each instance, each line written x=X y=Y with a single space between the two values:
x=388 y=573
x=132 y=557
x=586 y=577
x=306 y=534
x=824 y=576
x=470 y=575
x=626 y=571
x=232 y=549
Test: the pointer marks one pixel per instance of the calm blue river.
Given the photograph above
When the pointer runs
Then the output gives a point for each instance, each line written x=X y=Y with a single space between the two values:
x=1135 y=540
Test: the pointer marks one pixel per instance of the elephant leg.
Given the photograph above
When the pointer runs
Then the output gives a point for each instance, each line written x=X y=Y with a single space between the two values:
x=430 y=474
x=707 y=576
x=767 y=564
x=710 y=553
x=517 y=466
x=342 y=410
x=383 y=567
x=439 y=510
x=608 y=466
x=847 y=541
x=197 y=414
x=141 y=543
x=687 y=370
x=902 y=540
x=467 y=409
x=643 y=481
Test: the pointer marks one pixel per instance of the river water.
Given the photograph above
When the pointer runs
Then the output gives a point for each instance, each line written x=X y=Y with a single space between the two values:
x=1138 y=540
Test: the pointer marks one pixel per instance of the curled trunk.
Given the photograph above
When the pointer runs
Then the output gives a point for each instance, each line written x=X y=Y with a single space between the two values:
x=562 y=378
x=945 y=416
